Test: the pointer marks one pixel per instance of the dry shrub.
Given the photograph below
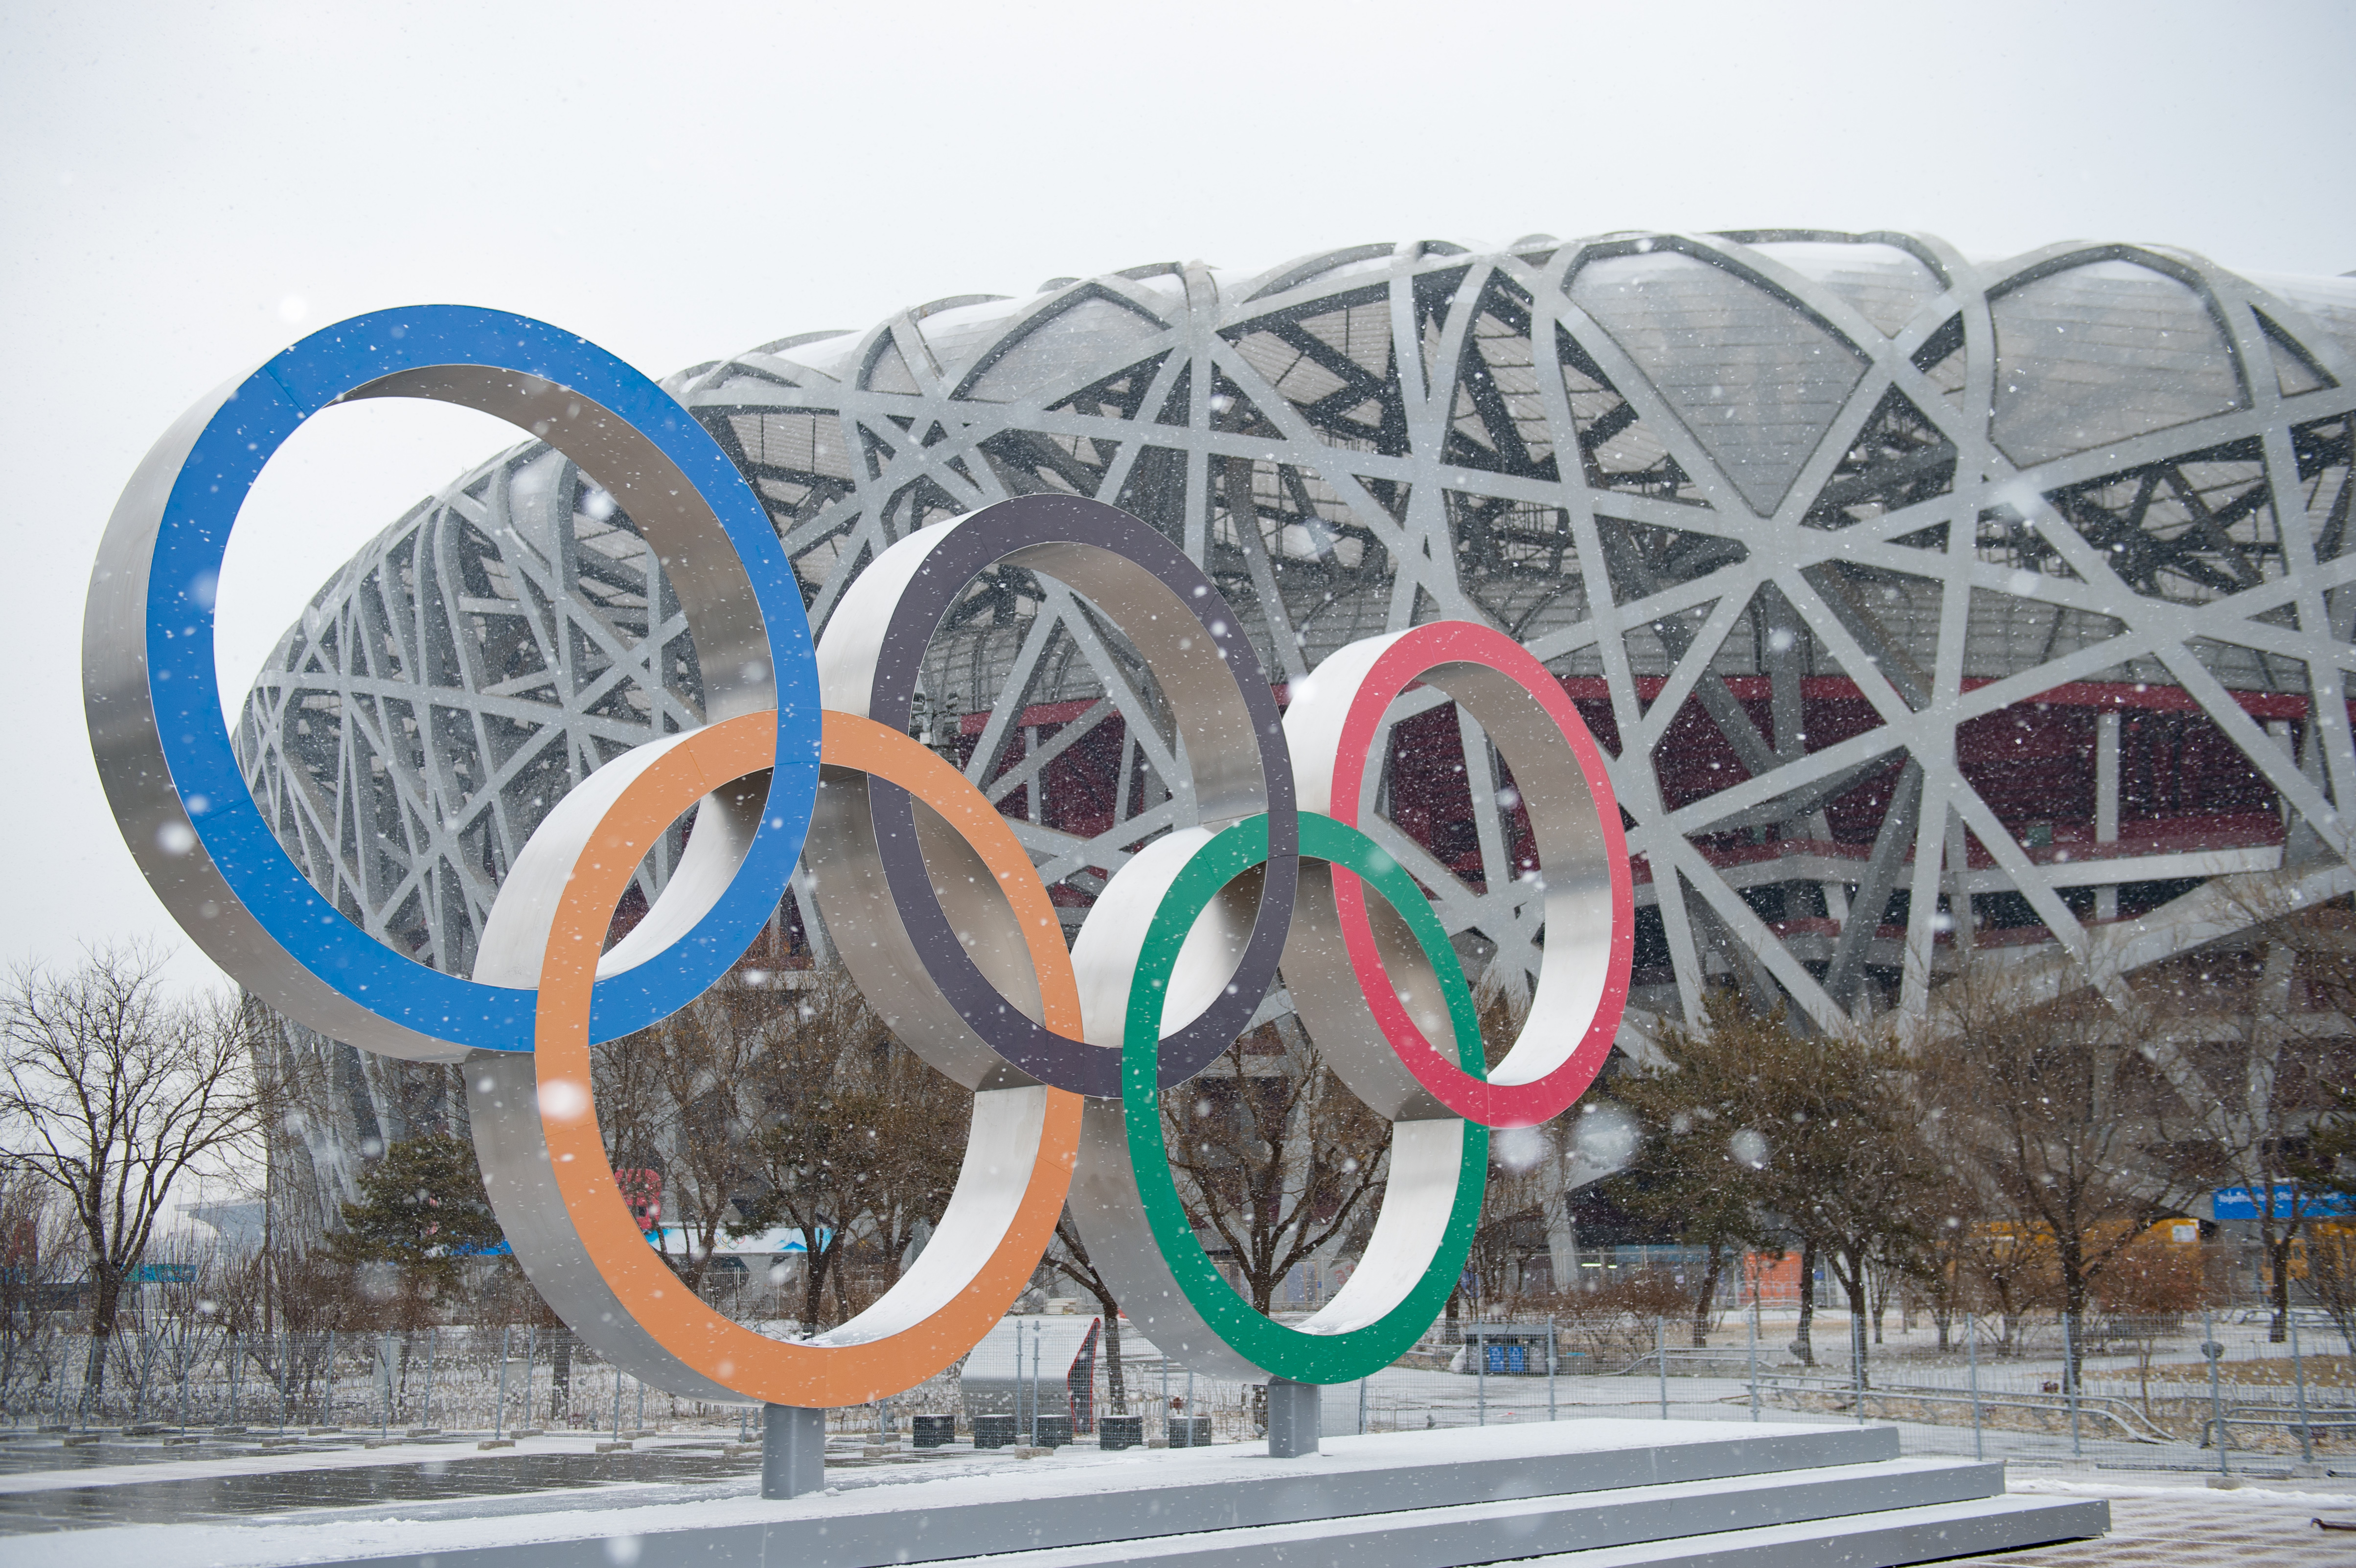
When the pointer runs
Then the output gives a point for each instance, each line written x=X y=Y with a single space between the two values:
x=2153 y=1278
x=315 y=1294
x=1613 y=1323
x=2332 y=1275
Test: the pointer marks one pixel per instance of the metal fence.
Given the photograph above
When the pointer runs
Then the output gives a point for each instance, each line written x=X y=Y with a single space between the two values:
x=2145 y=1394
x=184 y=1376
x=2197 y=1393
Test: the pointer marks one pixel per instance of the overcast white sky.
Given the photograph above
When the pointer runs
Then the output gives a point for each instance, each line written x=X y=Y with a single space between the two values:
x=186 y=188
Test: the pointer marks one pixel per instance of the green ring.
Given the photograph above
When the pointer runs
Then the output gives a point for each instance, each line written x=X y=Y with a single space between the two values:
x=1286 y=1352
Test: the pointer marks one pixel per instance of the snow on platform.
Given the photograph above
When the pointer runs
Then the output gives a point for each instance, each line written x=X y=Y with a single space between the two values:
x=1621 y=1491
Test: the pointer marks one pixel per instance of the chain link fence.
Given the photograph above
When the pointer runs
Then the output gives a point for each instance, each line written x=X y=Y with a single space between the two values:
x=2122 y=1393
x=2186 y=1392
x=181 y=1376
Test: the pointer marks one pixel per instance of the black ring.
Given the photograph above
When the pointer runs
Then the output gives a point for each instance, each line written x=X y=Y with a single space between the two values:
x=968 y=547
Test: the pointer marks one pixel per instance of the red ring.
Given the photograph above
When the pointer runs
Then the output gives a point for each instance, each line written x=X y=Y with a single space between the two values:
x=1510 y=1098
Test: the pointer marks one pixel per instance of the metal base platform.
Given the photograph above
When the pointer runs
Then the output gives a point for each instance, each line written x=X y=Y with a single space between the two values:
x=1586 y=1494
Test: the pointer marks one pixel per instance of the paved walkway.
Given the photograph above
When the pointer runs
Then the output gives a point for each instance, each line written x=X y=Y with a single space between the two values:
x=2193 y=1527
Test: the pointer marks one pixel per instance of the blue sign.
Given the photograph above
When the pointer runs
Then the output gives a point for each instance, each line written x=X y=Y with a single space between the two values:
x=2242 y=1203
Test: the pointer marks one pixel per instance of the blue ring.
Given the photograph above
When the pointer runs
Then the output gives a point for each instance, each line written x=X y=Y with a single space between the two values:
x=206 y=497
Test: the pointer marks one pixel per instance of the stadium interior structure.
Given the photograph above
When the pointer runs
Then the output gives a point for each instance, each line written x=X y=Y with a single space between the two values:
x=1930 y=609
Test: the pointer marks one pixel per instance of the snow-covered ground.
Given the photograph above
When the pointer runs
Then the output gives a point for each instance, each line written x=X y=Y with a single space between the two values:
x=1077 y=1472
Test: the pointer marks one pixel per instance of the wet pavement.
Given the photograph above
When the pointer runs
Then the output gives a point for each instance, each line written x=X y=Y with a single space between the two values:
x=248 y=1482
x=2187 y=1527
x=23 y=1455
x=47 y=1484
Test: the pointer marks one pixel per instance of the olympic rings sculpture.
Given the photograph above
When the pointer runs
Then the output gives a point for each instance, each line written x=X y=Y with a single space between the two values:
x=937 y=911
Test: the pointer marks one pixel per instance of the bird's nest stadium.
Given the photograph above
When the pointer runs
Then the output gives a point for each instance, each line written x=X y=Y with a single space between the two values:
x=1930 y=609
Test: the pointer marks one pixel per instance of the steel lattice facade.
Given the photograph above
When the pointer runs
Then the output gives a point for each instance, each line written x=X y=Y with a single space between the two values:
x=1927 y=607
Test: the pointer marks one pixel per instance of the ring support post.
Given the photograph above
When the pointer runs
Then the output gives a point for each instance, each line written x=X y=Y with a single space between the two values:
x=793 y=1450
x=1292 y=1418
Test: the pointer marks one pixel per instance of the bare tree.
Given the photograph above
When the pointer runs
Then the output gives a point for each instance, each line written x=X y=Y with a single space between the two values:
x=2327 y=1166
x=1945 y=1284
x=678 y=1098
x=2331 y=1277
x=1970 y=1257
x=2149 y=1286
x=2257 y=1049
x=2074 y=1136
x=1524 y=1166
x=110 y=1092
x=921 y=1120
x=38 y=1255
x=628 y=1080
x=1524 y=1175
x=840 y=1154
x=765 y=1104
x=295 y=1094
x=1068 y=1255
x=1274 y=1156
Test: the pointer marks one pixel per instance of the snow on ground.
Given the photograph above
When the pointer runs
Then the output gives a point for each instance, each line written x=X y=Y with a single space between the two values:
x=1074 y=1472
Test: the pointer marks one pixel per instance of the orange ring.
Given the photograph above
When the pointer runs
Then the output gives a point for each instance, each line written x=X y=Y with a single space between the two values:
x=856 y=1368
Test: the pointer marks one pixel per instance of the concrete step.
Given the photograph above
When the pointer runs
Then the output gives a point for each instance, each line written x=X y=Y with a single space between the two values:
x=1137 y=1498
x=1588 y=1493
x=1890 y=1539
x=1573 y=1527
